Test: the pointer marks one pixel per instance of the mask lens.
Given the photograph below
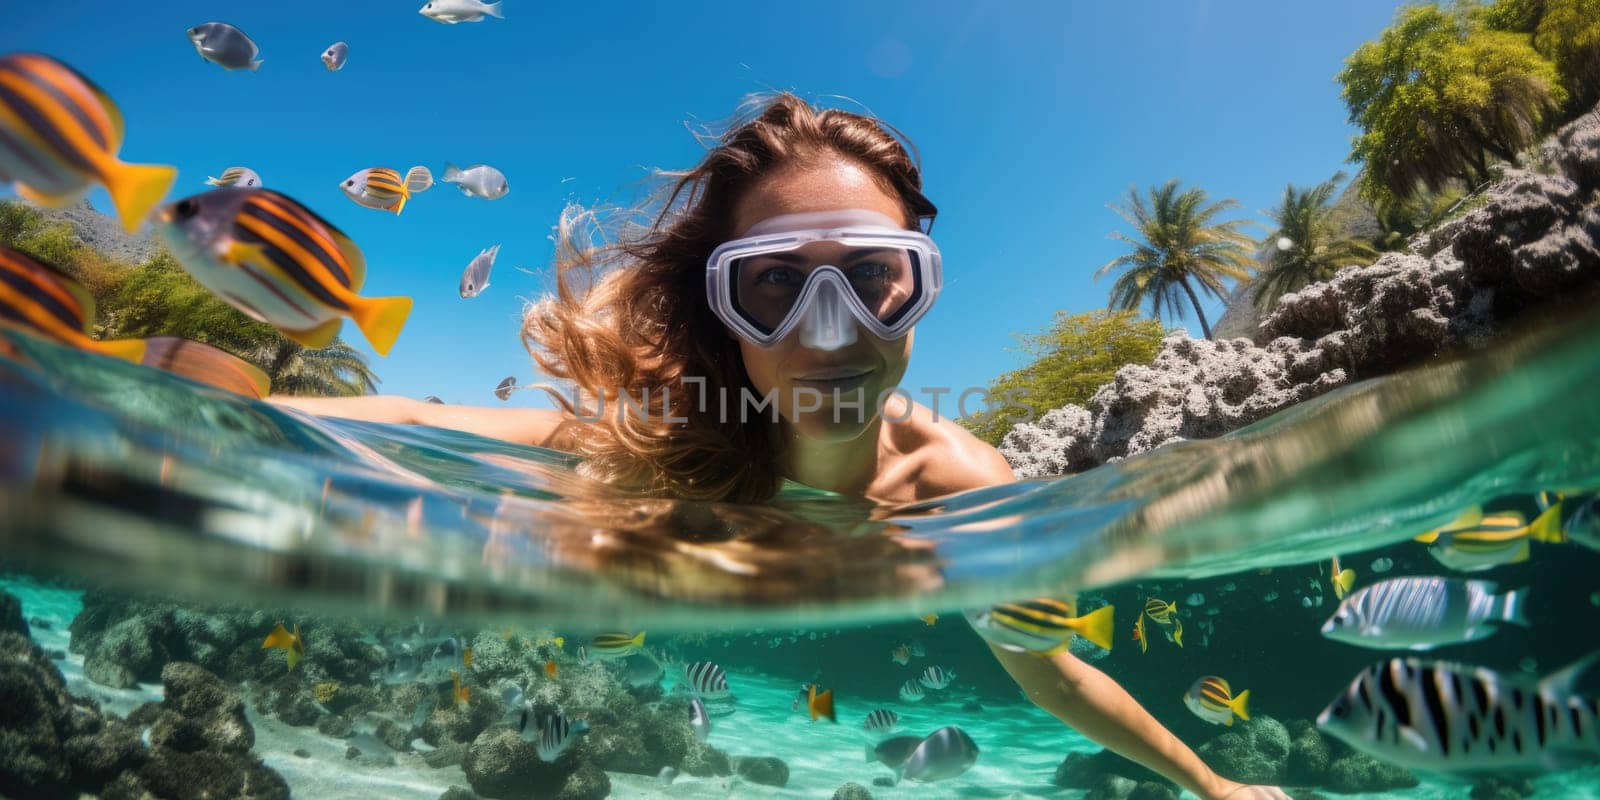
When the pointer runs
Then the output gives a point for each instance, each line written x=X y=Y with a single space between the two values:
x=887 y=281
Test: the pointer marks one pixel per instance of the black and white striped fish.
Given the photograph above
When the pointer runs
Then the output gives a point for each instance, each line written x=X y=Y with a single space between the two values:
x=911 y=692
x=935 y=677
x=706 y=679
x=1443 y=716
x=881 y=720
x=551 y=735
x=1423 y=612
x=699 y=721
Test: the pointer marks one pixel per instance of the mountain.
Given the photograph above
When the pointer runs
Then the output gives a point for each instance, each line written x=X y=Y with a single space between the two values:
x=104 y=233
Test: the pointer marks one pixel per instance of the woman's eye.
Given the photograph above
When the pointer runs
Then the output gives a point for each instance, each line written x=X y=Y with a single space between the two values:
x=870 y=270
x=777 y=276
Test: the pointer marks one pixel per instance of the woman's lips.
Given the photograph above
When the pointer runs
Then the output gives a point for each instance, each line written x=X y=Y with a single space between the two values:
x=846 y=382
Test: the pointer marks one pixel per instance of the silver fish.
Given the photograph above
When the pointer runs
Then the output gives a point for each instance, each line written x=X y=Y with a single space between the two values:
x=1421 y=613
x=881 y=720
x=699 y=721
x=478 y=180
x=503 y=391
x=453 y=11
x=476 y=276
x=1444 y=716
x=553 y=735
x=911 y=692
x=333 y=57
x=224 y=45
x=943 y=754
x=706 y=679
x=243 y=177
x=936 y=677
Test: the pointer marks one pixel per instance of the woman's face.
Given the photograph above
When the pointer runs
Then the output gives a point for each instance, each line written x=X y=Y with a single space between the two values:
x=782 y=370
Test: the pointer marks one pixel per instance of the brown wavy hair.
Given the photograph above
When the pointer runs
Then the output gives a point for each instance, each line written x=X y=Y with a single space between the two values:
x=640 y=322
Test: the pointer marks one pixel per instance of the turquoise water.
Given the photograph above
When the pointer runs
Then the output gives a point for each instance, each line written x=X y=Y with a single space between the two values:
x=114 y=476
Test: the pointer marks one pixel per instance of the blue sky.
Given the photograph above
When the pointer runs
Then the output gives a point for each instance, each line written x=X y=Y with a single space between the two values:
x=1030 y=117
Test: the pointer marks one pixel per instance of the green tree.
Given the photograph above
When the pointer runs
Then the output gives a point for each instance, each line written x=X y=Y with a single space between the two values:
x=1441 y=94
x=1569 y=35
x=337 y=370
x=1072 y=359
x=1178 y=244
x=1308 y=245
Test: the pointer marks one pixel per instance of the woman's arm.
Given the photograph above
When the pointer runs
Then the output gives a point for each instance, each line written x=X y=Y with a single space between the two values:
x=535 y=426
x=1096 y=706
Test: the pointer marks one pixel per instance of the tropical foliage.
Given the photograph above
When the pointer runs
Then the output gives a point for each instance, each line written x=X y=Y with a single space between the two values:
x=158 y=298
x=1071 y=360
x=1308 y=245
x=1178 y=245
x=1567 y=32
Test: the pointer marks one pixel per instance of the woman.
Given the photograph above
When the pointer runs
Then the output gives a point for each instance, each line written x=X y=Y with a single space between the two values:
x=781 y=277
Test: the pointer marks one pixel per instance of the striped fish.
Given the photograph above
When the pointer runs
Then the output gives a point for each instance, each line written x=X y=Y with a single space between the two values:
x=206 y=364
x=383 y=188
x=242 y=177
x=935 y=677
x=280 y=263
x=1212 y=700
x=881 y=720
x=609 y=646
x=1423 y=612
x=1160 y=611
x=912 y=692
x=553 y=735
x=1478 y=541
x=59 y=135
x=40 y=299
x=706 y=679
x=1444 y=716
x=699 y=720
x=1042 y=625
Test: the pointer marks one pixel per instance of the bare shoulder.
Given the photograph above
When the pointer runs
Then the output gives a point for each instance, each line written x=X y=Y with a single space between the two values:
x=946 y=457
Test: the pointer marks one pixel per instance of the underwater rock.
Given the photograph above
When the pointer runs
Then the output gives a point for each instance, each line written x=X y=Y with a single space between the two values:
x=334 y=725
x=1502 y=788
x=462 y=725
x=704 y=761
x=1110 y=787
x=1310 y=755
x=1083 y=771
x=33 y=699
x=852 y=791
x=206 y=702
x=1251 y=752
x=883 y=781
x=301 y=752
x=11 y=614
x=1150 y=790
x=494 y=659
x=1532 y=249
x=498 y=764
x=765 y=770
x=1358 y=772
x=446 y=756
x=457 y=793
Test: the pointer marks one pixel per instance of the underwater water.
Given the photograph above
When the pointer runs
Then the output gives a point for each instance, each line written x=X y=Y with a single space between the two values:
x=221 y=517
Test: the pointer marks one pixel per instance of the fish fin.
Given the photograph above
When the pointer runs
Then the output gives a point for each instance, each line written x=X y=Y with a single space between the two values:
x=381 y=319
x=418 y=180
x=400 y=205
x=1096 y=626
x=318 y=337
x=1177 y=633
x=1343 y=582
x=1228 y=722
x=1241 y=705
x=137 y=188
x=493 y=10
x=125 y=349
x=1547 y=526
x=638 y=641
x=52 y=200
x=1510 y=607
x=293 y=656
x=821 y=705
x=1523 y=549
x=451 y=172
x=255 y=64
x=280 y=637
x=1427 y=538
x=1562 y=680
x=210 y=181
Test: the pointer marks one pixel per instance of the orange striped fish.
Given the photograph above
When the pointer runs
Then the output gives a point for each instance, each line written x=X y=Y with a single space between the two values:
x=40 y=299
x=280 y=263
x=59 y=135
x=1212 y=700
x=383 y=188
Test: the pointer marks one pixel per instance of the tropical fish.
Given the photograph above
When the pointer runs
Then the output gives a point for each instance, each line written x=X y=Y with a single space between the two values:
x=929 y=619
x=935 y=677
x=820 y=704
x=460 y=695
x=333 y=57
x=699 y=721
x=900 y=655
x=1583 y=526
x=59 y=135
x=242 y=177
x=475 y=278
x=293 y=647
x=1211 y=699
x=503 y=391
x=641 y=671
x=1160 y=611
x=37 y=297
x=203 y=363
x=1174 y=632
x=280 y=263
x=478 y=180
x=226 y=46
x=433 y=399
x=1421 y=613
x=609 y=646
x=1444 y=716
x=446 y=652
x=801 y=697
x=945 y=753
x=1342 y=579
x=911 y=691
x=382 y=188
x=881 y=720
x=551 y=671
x=1139 y=634
x=1042 y=625
x=1477 y=540
x=555 y=735
x=706 y=679
x=453 y=11
x=466 y=658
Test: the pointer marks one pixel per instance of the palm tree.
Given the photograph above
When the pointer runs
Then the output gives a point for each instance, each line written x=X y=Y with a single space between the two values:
x=1179 y=246
x=1308 y=245
x=337 y=370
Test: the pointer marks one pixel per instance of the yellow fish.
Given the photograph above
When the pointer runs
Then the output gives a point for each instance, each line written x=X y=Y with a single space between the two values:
x=59 y=135
x=1139 y=635
x=1342 y=579
x=39 y=298
x=462 y=695
x=1476 y=540
x=291 y=644
x=1211 y=699
x=929 y=619
x=900 y=655
x=1160 y=611
x=1043 y=625
x=820 y=704
x=466 y=658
